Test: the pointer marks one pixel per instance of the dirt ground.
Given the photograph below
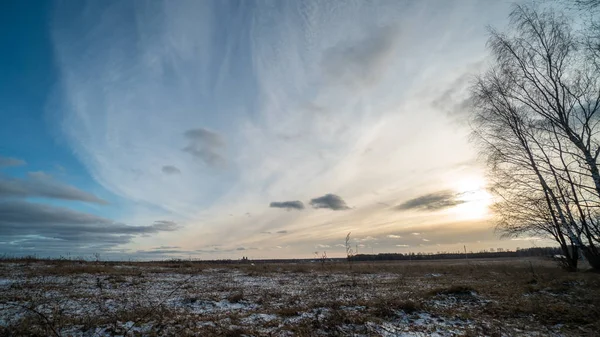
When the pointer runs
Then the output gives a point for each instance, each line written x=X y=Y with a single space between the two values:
x=491 y=297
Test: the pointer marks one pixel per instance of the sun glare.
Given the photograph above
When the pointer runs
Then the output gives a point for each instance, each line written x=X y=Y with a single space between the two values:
x=473 y=197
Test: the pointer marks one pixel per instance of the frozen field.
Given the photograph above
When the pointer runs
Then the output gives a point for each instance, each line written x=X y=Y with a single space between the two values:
x=443 y=298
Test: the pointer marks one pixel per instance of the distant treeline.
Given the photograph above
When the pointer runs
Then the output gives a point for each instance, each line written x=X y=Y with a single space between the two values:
x=537 y=251
x=524 y=252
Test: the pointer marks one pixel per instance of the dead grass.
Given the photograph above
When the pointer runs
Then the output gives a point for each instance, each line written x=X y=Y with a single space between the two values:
x=236 y=297
x=491 y=297
x=456 y=290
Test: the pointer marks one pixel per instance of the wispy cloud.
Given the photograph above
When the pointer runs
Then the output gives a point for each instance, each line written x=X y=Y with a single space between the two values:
x=455 y=100
x=170 y=169
x=255 y=103
x=165 y=252
x=40 y=184
x=368 y=238
x=167 y=247
x=206 y=145
x=363 y=61
x=9 y=161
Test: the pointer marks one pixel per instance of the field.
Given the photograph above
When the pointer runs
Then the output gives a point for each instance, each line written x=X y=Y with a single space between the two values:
x=492 y=297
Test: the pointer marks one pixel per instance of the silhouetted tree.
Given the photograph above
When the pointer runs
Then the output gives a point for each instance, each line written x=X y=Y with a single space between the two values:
x=536 y=119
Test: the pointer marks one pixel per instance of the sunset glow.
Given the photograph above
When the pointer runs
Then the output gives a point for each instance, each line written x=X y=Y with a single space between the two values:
x=208 y=129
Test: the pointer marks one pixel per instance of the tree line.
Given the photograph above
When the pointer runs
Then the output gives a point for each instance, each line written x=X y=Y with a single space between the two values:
x=526 y=252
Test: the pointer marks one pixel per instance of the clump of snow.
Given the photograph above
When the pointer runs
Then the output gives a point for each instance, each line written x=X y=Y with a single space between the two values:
x=419 y=324
x=259 y=318
x=4 y=282
x=207 y=306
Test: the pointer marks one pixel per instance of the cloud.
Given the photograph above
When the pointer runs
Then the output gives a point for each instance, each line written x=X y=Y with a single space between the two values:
x=8 y=161
x=288 y=205
x=393 y=236
x=432 y=202
x=33 y=218
x=217 y=250
x=163 y=225
x=402 y=246
x=455 y=100
x=282 y=232
x=527 y=238
x=169 y=169
x=330 y=201
x=363 y=60
x=44 y=227
x=165 y=251
x=322 y=246
x=39 y=184
x=206 y=145
x=425 y=240
x=188 y=72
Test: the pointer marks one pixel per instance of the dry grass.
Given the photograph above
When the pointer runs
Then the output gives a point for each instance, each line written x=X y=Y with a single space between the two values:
x=474 y=298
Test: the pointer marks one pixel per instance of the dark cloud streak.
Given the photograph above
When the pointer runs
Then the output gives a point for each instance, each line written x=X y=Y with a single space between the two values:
x=42 y=227
x=432 y=202
x=39 y=184
x=329 y=201
x=288 y=205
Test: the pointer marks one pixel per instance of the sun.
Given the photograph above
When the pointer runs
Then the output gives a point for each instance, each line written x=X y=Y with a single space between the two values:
x=473 y=197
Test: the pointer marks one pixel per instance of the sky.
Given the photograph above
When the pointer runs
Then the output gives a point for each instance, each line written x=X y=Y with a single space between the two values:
x=222 y=129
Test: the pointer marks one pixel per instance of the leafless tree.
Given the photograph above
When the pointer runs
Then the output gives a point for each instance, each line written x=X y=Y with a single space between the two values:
x=588 y=4
x=536 y=119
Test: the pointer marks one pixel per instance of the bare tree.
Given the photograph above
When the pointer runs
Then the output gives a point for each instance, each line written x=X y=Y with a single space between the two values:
x=588 y=4
x=536 y=119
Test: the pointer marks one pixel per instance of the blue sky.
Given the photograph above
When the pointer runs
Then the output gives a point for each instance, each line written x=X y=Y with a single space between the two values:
x=215 y=129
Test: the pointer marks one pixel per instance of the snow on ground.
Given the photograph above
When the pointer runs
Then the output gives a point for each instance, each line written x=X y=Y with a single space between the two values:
x=106 y=300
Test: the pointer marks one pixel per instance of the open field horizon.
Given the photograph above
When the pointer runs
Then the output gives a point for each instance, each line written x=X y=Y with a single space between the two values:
x=489 y=297
x=300 y=168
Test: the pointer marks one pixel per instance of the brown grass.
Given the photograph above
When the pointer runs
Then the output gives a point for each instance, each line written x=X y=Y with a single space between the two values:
x=497 y=296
